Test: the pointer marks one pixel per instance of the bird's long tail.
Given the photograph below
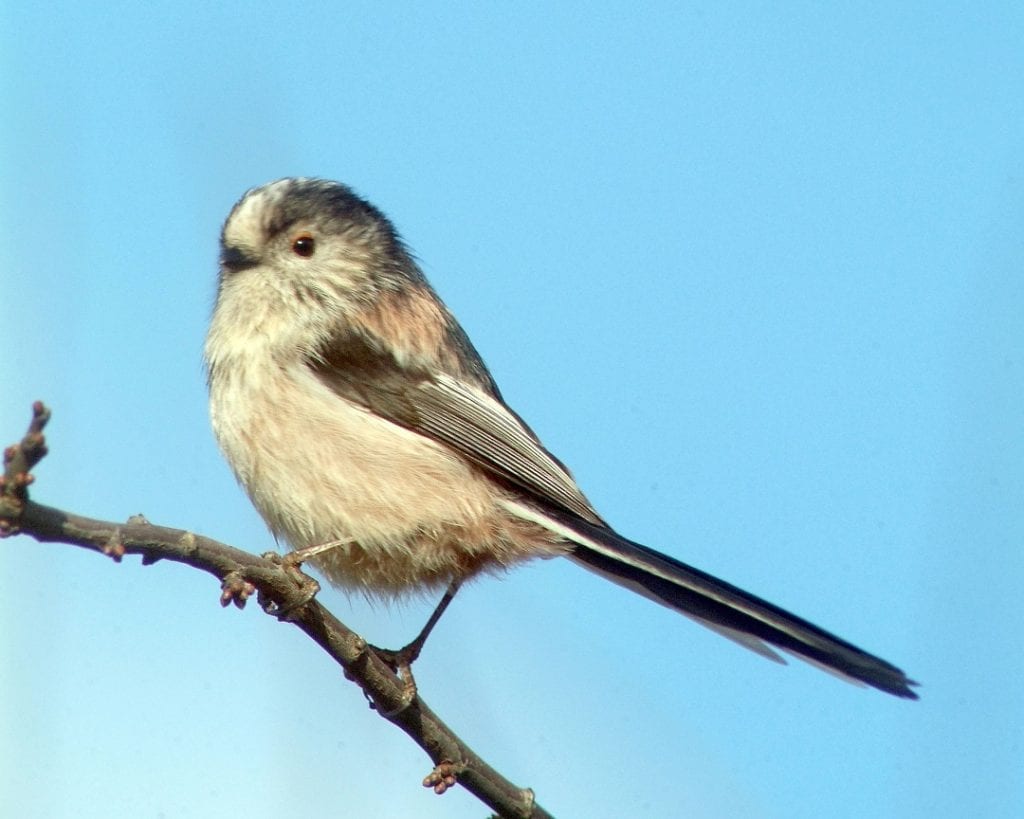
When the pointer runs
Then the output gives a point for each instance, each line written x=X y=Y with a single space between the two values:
x=732 y=612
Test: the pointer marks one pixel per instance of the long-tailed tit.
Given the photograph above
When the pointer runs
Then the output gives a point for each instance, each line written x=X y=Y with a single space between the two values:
x=354 y=410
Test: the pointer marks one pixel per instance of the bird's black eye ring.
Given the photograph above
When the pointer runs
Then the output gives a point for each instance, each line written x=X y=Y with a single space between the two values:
x=303 y=245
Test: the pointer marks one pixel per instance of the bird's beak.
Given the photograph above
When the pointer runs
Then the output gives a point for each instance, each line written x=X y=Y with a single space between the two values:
x=235 y=259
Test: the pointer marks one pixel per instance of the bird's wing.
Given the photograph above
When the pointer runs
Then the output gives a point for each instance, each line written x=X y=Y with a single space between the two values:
x=467 y=416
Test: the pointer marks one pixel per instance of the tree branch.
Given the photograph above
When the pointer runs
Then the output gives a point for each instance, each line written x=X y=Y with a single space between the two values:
x=284 y=592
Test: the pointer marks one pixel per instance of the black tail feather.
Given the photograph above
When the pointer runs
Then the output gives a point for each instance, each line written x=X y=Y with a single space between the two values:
x=726 y=608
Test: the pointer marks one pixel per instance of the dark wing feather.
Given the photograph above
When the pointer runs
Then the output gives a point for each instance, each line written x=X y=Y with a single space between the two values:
x=470 y=418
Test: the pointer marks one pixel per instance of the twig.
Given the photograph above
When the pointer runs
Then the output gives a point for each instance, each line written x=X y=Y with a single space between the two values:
x=283 y=592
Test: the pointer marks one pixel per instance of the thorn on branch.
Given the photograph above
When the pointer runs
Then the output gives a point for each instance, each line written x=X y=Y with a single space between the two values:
x=236 y=589
x=443 y=777
x=19 y=459
x=114 y=547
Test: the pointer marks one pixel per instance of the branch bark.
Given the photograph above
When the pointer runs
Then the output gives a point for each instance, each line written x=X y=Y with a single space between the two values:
x=283 y=592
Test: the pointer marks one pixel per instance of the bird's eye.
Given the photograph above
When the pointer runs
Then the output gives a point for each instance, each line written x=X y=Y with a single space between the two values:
x=303 y=245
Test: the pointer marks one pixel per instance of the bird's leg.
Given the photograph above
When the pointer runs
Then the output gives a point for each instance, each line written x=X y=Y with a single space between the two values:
x=300 y=556
x=402 y=659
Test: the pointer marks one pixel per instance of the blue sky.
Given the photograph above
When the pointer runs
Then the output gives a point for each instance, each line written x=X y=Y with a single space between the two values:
x=752 y=270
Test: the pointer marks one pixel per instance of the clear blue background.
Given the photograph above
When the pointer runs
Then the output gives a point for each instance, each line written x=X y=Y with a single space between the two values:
x=753 y=270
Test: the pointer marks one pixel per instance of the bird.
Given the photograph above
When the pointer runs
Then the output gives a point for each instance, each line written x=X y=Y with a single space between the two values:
x=371 y=437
